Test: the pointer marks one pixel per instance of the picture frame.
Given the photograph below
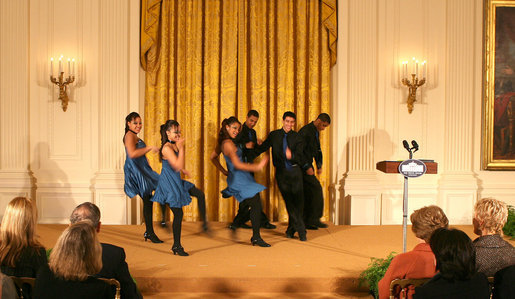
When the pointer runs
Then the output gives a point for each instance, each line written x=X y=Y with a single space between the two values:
x=498 y=148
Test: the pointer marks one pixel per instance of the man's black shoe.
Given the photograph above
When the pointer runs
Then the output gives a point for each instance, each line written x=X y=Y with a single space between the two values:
x=321 y=224
x=268 y=225
x=311 y=226
x=303 y=237
x=245 y=225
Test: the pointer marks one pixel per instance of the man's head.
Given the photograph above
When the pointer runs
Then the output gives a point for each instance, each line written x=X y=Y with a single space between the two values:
x=252 y=119
x=323 y=121
x=86 y=211
x=289 y=119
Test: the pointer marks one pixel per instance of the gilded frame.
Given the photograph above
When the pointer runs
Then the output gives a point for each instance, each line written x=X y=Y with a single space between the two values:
x=498 y=138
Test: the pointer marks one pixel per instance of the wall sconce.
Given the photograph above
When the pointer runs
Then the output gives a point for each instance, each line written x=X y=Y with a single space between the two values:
x=61 y=81
x=414 y=83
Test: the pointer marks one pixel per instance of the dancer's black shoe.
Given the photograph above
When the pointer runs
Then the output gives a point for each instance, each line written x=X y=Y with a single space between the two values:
x=268 y=225
x=321 y=224
x=259 y=242
x=152 y=237
x=179 y=250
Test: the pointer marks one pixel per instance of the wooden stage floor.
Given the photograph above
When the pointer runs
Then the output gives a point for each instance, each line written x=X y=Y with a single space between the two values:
x=327 y=265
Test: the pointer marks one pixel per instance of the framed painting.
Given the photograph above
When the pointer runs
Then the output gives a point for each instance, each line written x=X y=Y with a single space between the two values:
x=499 y=85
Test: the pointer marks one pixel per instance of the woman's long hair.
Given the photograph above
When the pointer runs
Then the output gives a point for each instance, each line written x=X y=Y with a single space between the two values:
x=17 y=231
x=164 y=138
x=223 y=134
x=77 y=253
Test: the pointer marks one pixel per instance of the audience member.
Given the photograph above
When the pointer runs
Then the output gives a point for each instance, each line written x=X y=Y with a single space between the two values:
x=456 y=261
x=21 y=254
x=113 y=257
x=492 y=252
x=77 y=256
x=420 y=262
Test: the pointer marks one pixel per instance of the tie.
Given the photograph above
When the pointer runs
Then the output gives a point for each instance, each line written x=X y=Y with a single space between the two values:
x=287 y=163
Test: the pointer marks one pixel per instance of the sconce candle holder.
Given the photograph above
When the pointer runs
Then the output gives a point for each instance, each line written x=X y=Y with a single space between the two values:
x=61 y=81
x=414 y=83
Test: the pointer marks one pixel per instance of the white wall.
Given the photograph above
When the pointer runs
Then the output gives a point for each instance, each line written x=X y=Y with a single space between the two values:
x=63 y=158
x=371 y=117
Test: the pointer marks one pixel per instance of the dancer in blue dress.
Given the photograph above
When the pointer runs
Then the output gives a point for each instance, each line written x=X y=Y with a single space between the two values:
x=171 y=189
x=240 y=182
x=140 y=179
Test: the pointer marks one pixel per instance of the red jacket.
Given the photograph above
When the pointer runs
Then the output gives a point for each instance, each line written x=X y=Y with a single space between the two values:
x=418 y=263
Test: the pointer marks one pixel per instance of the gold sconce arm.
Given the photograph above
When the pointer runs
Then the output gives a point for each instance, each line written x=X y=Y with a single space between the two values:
x=412 y=85
x=63 y=86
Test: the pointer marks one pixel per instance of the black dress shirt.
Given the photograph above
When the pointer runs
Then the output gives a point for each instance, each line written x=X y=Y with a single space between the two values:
x=312 y=148
x=246 y=135
x=275 y=140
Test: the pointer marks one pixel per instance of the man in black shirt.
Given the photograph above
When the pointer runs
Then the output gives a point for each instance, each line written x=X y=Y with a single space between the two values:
x=246 y=141
x=313 y=195
x=288 y=156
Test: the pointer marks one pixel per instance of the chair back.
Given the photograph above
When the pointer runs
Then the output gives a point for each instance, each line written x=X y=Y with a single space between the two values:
x=19 y=282
x=403 y=284
x=115 y=283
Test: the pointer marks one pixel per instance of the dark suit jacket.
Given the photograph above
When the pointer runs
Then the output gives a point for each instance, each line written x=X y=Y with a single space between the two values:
x=475 y=288
x=51 y=287
x=115 y=266
x=246 y=135
x=312 y=145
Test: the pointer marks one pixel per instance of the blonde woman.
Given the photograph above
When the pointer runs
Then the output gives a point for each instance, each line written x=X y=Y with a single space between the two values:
x=77 y=256
x=420 y=262
x=21 y=254
x=492 y=252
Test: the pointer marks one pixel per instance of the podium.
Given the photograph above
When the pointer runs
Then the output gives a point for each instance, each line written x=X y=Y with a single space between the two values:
x=431 y=167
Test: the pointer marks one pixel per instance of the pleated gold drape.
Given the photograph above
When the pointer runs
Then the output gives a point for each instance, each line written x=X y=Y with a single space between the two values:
x=206 y=60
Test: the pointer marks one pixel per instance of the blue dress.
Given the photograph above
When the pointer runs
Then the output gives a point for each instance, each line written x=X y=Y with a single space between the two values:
x=240 y=183
x=140 y=179
x=171 y=189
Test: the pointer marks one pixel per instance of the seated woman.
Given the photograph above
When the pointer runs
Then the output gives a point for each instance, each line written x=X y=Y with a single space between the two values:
x=21 y=254
x=420 y=262
x=492 y=252
x=77 y=256
x=456 y=261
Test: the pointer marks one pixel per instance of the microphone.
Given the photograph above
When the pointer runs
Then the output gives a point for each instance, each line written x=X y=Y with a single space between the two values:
x=415 y=145
x=406 y=145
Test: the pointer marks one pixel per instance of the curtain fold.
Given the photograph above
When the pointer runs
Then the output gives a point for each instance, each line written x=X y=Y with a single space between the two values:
x=206 y=60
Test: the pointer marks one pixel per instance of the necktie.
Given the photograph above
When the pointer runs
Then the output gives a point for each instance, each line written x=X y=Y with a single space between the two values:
x=287 y=163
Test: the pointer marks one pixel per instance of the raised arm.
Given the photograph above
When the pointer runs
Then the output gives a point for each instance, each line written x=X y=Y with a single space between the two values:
x=175 y=161
x=215 y=159
x=229 y=149
x=130 y=142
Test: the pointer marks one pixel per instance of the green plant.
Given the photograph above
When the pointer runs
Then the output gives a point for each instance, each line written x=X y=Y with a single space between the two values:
x=375 y=271
x=509 y=227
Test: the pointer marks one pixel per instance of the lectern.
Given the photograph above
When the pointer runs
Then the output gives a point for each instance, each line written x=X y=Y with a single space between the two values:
x=408 y=168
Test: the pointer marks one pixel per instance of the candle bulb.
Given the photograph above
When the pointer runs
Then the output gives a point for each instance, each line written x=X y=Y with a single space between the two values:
x=416 y=69
x=425 y=68
x=51 y=67
x=413 y=66
x=73 y=65
x=69 y=67
x=60 y=66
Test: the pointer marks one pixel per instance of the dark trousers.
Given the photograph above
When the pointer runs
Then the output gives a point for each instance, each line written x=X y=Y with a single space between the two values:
x=313 y=199
x=243 y=215
x=291 y=187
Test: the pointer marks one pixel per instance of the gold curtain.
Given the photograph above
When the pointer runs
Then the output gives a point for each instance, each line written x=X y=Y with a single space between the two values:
x=206 y=60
